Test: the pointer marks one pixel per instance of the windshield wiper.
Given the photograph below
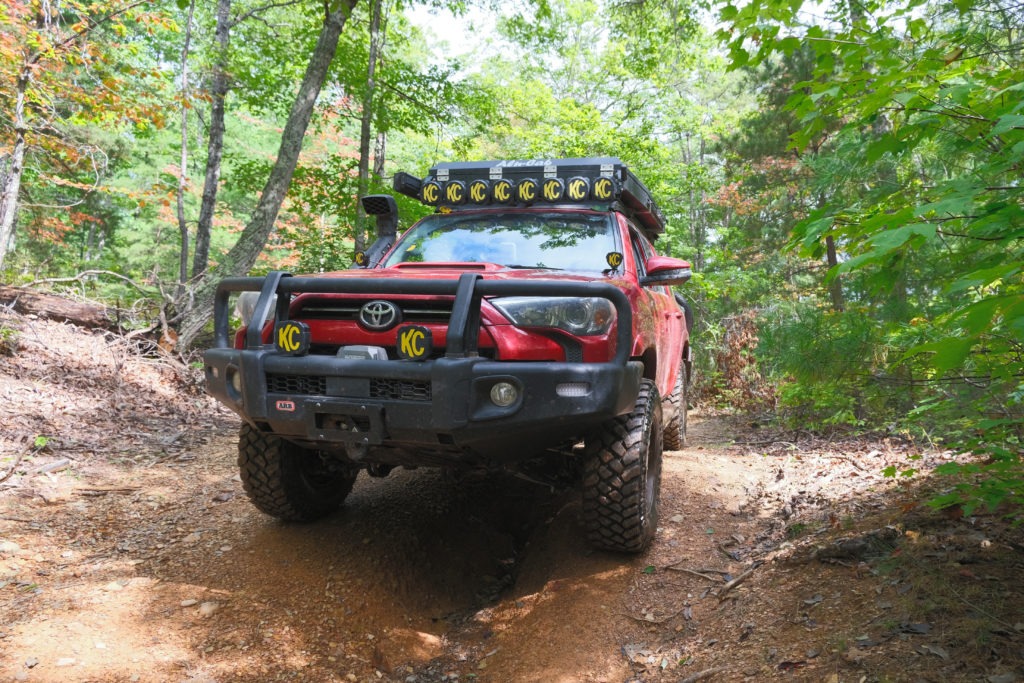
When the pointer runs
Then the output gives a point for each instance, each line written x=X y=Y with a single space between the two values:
x=520 y=267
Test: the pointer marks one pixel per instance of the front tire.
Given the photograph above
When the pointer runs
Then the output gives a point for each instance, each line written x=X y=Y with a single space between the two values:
x=622 y=477
x=289 y=482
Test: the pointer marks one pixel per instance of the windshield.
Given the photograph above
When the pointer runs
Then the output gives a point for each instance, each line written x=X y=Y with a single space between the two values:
x=561 y=241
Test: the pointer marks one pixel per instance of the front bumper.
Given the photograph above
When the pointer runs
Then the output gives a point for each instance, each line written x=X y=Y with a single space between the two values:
x=440 y=404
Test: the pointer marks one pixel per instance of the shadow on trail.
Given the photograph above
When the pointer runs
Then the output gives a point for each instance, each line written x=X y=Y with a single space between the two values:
x=374 y=587
x=426 y=544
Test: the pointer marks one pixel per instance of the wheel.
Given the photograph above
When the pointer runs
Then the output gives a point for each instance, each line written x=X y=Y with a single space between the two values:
x=622 y=475
x=675 y=407
x=289 y=482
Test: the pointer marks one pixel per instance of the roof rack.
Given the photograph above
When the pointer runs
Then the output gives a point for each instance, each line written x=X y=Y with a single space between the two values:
x=545 y=182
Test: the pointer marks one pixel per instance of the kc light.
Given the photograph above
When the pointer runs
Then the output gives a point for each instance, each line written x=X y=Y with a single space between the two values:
x=579 y=316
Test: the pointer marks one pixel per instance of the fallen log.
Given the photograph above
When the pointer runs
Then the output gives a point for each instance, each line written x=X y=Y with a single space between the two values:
x=33 y=302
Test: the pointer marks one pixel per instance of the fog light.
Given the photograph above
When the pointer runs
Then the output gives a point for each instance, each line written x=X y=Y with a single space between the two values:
x=504 y=394
x=235 y=379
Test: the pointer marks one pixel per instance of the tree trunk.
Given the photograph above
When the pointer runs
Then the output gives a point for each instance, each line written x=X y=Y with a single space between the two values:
x=15 y=167
x=53 y=307
x=198 y=311
x=380 y=154
x=183 y=169
x=835 y=287
x=215 y=145
x=365 y=121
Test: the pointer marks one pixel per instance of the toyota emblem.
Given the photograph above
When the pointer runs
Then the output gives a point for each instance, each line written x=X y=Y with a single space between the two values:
x=379 y=315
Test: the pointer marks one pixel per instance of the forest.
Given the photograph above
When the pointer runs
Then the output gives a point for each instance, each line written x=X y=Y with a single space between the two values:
x=845 y=178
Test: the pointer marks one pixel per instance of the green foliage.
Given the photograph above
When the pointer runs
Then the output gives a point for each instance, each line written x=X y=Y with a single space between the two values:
x=988 y=484
x=8 y=340
x=75 y=85
x=910 y=120
x=582 y=87
x=831 y=367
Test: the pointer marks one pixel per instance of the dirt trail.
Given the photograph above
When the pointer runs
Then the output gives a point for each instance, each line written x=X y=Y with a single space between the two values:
x=138 y=558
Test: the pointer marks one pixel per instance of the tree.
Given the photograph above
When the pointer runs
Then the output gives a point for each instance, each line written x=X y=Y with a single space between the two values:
x=183 y=167
x=769 y=186
x=195 y=313
x=218 y=91
x=931 y=147
x=261 y=84
x=56 y=73
x=366 y=115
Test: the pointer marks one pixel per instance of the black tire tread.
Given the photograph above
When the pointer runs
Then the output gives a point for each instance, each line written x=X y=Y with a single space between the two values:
x=616 y=514
x=675 y=409
x=269 y=468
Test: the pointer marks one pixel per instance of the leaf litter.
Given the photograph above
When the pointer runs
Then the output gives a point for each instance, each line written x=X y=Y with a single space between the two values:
x=836 y=572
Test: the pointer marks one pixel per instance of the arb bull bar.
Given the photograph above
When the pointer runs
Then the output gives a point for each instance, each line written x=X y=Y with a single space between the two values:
x=553 y=397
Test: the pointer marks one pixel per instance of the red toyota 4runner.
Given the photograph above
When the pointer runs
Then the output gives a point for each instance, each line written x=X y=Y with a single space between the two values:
x=527 y=325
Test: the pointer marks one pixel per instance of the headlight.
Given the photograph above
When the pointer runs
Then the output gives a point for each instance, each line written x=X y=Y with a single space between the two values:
x=578 y=316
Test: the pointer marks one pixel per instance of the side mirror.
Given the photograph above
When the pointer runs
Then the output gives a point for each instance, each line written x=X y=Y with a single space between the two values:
x=382 y=206
x=665 y=270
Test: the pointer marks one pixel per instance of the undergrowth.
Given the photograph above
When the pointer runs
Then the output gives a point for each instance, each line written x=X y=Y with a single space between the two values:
x=813 y=370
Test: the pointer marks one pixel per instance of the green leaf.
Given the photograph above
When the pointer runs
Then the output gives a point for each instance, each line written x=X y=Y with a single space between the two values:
x=1012 y=88
x=1008 y=122
x=884 y=243
x=984 y=277
x=828 y=92
x=949 y=468
x=943 y=355
x=905 y=98
x=886 y=143
x=856 y=262
x=893 y=239
x=977 y=317
x=789 y=45
x=738 y=56
x=954 y=205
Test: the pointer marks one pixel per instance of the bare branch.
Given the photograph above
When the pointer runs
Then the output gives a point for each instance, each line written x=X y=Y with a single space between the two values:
x=86 y=273
x=262 y=8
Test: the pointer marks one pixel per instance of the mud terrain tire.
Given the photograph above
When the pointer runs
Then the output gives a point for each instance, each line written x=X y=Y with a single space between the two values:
x=674 y=407
x=622 y=475
x=289 y=482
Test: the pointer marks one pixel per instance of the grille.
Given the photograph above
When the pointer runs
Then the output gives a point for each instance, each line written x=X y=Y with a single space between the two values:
x=391 y=389
x=296 y=384
x=400 y=390
x=413 y=311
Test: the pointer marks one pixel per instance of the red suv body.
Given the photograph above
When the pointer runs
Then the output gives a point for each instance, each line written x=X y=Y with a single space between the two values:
x=528 y=325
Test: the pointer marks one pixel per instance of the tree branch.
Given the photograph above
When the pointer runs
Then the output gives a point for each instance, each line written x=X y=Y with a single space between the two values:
x=90 y=26
x=86 y=273
x=262 y=8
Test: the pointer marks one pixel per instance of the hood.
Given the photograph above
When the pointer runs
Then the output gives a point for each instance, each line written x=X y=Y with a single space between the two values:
x=452 y=271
